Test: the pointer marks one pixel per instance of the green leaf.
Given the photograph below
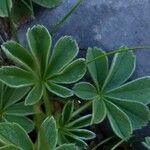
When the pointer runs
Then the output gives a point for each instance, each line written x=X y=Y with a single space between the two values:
x=122 y=67
x=72 y=73
x=119 y=121
x=24 y=122
x=18 y=54
x=12 y=133
x=67 y=147
x=13 y=95
x=16 y=77
x=81 y=122
x=67 y=112
x=39 y=41
x=59 y=90
x=47 y=3
x=137 y=90
x=10 y=147
x=83 y=134
x=48 y=134
x=34 y=95
x=3 y=7
x=85 y=90
x=139 y=116
x=19 y=109
x=99 y=110
x=65 y=50
x=99 y=67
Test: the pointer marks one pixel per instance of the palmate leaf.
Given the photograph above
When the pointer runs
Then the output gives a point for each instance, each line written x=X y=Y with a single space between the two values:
x=12 y=133
x=47 y=3
x=71 y=129
x=39 y=69
x=112 y=99
x=14 y=111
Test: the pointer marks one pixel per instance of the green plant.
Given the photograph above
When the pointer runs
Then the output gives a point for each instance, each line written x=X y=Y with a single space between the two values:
x=26 y=6
x=39 y=70
x=112 y=99
x=70 y=128
x=44 y=74
x=12 y=110
x=47 y=137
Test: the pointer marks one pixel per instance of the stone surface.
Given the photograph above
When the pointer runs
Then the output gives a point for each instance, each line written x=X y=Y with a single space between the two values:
x=108 y=24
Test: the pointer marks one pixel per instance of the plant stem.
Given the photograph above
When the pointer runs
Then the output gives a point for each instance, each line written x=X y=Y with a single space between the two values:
x=82 y=108
x=13 y=27
x=47 y=103
x=102 y=142
x=115 y=146
x=120 y=50
x=62 y=21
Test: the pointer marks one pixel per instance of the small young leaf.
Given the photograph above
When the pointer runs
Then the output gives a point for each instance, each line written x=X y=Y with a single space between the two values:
x=119 y=121
x=72 y=73
x=85 y=91
x=16 y=77
x=137 y=90
x=47 y=3
x=67 y=112
x=48 y=134
x=122 y=67
x=83 y=134
x=64 y=52
x=99 y=67
x=67 y=147
x=81 y=122
x=59 y=90
x=12 y=133
x=39 y=41
x=34 y=95
x=99 y=110
x=18 y=54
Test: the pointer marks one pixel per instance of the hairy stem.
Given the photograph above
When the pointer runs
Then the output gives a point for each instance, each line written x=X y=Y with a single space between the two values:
x=82 y=108
x=102 y=142
x=63 y=20
x=120 y=50
x=115 y=146
x=47 y=103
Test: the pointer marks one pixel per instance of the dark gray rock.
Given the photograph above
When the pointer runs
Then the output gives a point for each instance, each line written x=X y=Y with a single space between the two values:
x=108 y=24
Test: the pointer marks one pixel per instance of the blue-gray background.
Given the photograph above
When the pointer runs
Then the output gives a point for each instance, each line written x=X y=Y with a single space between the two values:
x=107 y=24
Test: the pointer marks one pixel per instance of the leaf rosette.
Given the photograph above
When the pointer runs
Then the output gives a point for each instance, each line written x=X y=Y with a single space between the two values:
x=123 y=104
x=40 y=68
